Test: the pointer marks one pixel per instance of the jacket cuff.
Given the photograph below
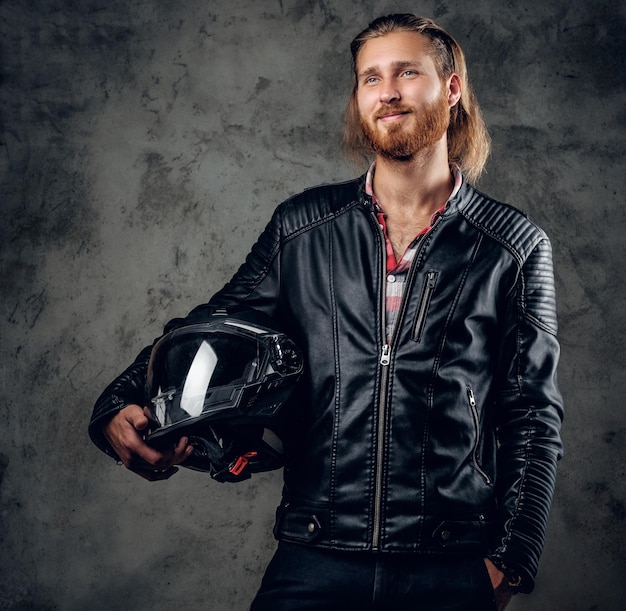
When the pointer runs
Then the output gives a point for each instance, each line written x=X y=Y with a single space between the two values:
x=96 y=433
x=127 y=389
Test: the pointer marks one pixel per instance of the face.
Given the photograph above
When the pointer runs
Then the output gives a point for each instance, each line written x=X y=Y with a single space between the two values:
x=404 y=107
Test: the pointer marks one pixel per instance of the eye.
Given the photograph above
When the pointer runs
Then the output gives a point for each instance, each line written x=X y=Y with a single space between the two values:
x=409 y=73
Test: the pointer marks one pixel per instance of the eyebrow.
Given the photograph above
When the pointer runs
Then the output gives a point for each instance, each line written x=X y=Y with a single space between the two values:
x=396 y=65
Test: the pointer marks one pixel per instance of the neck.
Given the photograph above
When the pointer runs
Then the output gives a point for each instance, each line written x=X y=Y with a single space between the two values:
x=420 y=185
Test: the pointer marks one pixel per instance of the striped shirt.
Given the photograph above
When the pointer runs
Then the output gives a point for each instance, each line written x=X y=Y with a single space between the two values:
x=397 y=270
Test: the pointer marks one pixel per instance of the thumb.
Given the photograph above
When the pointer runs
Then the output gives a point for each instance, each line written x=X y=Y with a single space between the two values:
x=138 y=419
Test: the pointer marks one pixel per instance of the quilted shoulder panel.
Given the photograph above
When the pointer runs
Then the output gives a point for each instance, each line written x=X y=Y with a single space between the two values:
x=504 y=223
x=530 y=246
x=539 y=291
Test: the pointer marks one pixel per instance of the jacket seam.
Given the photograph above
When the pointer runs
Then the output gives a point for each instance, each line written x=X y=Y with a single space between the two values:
x=537 y=235
x=333 y=479
x=312 y=224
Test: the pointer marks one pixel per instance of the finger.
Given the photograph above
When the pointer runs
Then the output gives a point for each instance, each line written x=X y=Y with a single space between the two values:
x=147 y=457
x=138 y=419
x=135 y=454
x=182 y=450
x=174 y=453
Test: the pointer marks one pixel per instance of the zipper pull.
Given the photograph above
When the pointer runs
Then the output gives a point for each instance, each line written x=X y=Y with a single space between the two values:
x=470 y=396
x=384 y=359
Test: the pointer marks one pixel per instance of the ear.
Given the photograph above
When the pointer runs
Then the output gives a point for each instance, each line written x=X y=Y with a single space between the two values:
x=454 y=89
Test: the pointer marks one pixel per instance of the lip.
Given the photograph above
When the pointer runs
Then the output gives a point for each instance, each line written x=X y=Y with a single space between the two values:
x=392 y=116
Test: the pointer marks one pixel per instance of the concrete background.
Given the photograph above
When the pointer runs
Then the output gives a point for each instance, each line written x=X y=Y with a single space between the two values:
x=144 y=145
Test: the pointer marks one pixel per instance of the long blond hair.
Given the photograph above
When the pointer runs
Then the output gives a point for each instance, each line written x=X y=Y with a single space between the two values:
x=468 y=140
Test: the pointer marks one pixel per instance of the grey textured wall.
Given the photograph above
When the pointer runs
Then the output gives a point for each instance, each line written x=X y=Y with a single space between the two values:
x=144 y=146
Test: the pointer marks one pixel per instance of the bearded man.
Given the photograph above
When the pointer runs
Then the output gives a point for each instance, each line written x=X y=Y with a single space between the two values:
x=421 y=446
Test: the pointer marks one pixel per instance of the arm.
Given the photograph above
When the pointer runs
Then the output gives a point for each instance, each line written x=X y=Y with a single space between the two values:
x=118 y=417
x=119 y=420
x=124 y=434
x=127 y=389
x=529 y=415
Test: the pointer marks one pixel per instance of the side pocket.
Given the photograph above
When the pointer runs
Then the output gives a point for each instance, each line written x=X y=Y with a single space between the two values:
x=484 y=583
x=422 y=310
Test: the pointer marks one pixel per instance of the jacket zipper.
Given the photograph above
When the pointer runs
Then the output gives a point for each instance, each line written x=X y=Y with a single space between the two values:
x=385 y=360
x=474 y=411
x=380 y=452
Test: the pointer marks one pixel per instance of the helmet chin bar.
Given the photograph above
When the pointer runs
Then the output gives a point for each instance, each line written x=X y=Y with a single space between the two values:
x=230 y=456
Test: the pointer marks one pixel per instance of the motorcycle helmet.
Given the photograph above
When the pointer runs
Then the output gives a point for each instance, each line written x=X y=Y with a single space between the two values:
x=222 y=382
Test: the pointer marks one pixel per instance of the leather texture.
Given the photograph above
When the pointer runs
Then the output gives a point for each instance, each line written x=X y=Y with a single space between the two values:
x=452 y=445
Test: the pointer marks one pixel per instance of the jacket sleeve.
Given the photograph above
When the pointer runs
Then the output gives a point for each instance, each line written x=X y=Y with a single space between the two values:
x=529 y=416
x=255 y=285
x=129 y=388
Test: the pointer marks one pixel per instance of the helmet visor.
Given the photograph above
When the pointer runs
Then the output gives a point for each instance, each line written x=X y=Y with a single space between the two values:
x=195 y=375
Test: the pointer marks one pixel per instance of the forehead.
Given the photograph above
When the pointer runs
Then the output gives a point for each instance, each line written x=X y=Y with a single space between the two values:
x=393 y=48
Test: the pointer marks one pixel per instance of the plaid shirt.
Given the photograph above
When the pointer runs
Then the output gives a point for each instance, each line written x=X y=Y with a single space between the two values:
x=397 y=270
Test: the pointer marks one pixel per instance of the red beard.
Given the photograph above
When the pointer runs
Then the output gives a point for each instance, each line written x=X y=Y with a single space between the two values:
x=399 y=142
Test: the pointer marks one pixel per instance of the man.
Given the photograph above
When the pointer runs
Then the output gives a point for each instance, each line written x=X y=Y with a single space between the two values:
x=422 y=447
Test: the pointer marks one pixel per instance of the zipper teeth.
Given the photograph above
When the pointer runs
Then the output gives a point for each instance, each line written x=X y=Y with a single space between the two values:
x=378 y=482
x=382 y=403
x=472 y=404
x=380 y=431
x=423 y=306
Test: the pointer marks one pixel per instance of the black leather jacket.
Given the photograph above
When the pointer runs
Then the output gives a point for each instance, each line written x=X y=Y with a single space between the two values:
x=443 y=440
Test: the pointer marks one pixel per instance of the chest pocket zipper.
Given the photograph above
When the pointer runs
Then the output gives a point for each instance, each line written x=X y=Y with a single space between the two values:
x=424 y=302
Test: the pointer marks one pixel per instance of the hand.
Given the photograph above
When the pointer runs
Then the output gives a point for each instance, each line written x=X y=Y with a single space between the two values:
x=501 y=588
x=124 y=433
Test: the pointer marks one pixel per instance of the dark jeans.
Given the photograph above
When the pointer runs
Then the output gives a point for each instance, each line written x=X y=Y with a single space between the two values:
x=299 y=577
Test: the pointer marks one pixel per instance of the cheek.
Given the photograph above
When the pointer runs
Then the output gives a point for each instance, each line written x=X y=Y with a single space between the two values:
x=365 y=102
x=437 y=94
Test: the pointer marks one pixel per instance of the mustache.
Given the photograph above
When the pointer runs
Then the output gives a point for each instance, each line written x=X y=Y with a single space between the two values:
x=392 y=109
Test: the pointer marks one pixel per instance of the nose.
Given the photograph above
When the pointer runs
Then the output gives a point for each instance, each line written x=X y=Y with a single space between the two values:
x=389 y=93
